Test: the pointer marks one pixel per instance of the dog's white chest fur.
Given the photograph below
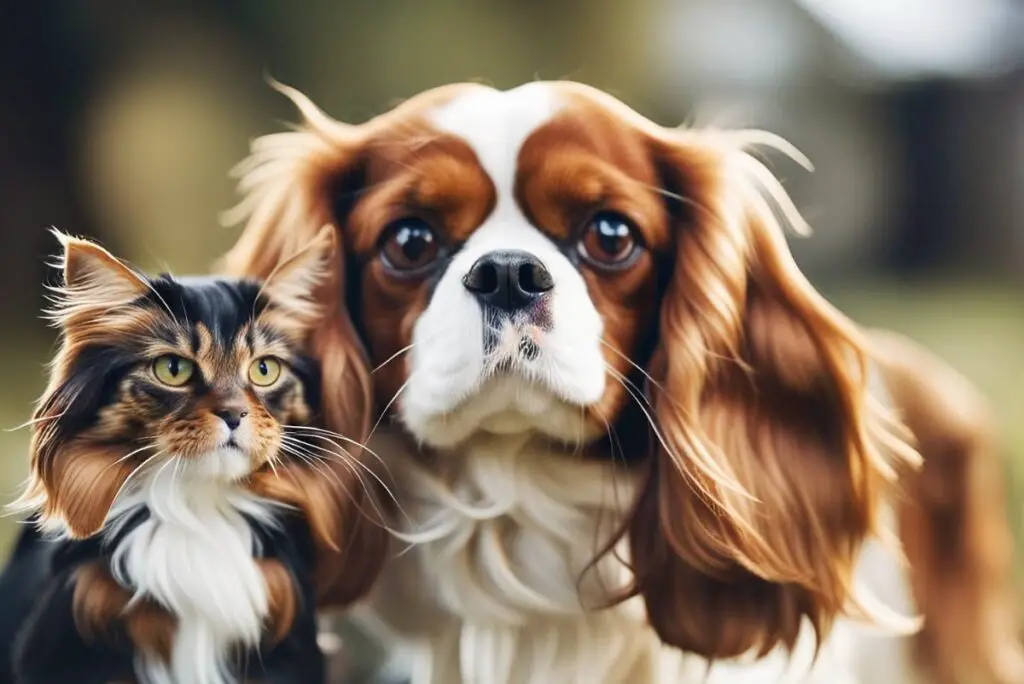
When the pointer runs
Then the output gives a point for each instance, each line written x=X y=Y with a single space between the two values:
x=195 y=556
x=491 y=592
x=497 y=572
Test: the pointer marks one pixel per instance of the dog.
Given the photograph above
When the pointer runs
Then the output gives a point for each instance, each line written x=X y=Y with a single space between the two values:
x=625 y=436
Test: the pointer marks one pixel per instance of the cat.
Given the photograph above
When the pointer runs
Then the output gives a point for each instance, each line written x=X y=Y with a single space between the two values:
x=180 y=492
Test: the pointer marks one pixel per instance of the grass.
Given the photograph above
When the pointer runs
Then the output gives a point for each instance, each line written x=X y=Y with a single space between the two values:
x=977 y=328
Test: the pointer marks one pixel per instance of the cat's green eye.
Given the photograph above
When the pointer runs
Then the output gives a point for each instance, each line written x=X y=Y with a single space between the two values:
x=264 y=371
x=173 y=370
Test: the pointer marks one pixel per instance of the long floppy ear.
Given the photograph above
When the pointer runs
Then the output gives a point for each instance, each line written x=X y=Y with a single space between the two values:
x=75 y=476
x=291 y=185
x=771 y=455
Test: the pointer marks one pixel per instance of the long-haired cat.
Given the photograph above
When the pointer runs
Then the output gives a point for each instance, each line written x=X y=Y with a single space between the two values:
x=187 y=509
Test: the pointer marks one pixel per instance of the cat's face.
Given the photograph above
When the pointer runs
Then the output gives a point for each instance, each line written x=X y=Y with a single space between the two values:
x=206 y=376
x=209 y=376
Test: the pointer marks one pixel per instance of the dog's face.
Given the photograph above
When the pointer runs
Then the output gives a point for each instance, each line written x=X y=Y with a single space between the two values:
x=536 y=260
x=508 y=256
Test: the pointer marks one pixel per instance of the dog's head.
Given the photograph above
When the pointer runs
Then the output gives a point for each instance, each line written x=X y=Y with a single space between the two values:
x=539 y=261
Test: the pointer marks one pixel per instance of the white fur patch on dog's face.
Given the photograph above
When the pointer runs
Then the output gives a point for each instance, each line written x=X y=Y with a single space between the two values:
x=458 y=384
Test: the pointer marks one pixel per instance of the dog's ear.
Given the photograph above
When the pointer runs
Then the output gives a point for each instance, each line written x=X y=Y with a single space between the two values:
x=771 y=457
x=290 y=184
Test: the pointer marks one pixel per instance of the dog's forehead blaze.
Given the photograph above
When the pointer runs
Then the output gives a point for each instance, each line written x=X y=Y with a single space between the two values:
x=461 y=151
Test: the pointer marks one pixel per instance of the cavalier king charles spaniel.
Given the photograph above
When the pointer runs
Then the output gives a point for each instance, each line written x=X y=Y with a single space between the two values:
x=627 y=440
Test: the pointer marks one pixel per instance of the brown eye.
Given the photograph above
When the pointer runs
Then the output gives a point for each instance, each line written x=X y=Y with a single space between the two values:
x=609 y=241
x=410 y=245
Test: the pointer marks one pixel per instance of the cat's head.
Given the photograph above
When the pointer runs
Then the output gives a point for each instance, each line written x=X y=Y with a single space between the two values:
x=205 y=376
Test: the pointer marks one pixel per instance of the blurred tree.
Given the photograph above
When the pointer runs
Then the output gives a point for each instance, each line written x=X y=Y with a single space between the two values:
x=47 y=70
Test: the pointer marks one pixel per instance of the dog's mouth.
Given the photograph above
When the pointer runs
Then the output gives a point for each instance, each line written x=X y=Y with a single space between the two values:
x=514 y=345
x=528 y=348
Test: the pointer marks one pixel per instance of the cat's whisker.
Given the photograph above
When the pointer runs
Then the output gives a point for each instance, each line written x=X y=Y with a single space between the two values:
x=325 y=434
x=314 y=463
x=318 y=463
x=344 y=454
x=273 y=466
x=359 y=478
x=297 y=450
x=124 y=458
x=314 y=460
x=337 y=435
x=351 y=461
x=134 y=472
x=167 y=307
x=33 y=421
x=160 y=472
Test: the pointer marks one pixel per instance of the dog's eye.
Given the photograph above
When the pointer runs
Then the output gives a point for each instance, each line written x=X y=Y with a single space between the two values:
x=410 y=245
x=609 y=240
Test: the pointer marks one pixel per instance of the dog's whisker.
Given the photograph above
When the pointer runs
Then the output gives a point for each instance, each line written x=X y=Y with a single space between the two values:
x=710 y=467
x=394 y=356
x=387 y=408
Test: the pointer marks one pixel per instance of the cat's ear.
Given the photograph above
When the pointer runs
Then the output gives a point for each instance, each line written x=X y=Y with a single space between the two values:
x=94 y=279
x=292 y=288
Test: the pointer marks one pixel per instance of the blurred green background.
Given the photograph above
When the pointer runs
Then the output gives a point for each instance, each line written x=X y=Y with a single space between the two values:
x=120 y=120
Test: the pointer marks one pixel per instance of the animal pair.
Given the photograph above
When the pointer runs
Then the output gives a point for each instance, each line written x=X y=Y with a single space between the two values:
x=185 y=506
x=630 y=435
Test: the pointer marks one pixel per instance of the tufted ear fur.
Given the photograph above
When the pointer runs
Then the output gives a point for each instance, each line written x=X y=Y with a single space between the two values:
x=292 y=287
x=770 y=454
x=74 y=473
x=289 y=184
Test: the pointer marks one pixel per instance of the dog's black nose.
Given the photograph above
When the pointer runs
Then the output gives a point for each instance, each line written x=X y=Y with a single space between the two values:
x=509 y=280
x=232 y=416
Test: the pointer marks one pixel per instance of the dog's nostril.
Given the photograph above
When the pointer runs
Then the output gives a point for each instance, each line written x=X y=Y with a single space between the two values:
x=534 y=278
x=482 y=278
x=508 y=280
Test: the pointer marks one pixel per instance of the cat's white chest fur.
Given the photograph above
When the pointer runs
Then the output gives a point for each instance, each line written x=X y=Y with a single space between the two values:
x=194 y=554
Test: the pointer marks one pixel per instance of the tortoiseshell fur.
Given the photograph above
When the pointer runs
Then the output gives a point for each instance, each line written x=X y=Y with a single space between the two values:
x=84 y=597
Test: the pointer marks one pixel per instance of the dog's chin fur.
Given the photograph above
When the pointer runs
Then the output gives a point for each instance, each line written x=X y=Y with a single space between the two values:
x=504 y=405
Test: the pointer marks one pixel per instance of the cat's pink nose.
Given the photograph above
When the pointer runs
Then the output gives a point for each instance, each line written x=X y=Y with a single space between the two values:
x=232 y=417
